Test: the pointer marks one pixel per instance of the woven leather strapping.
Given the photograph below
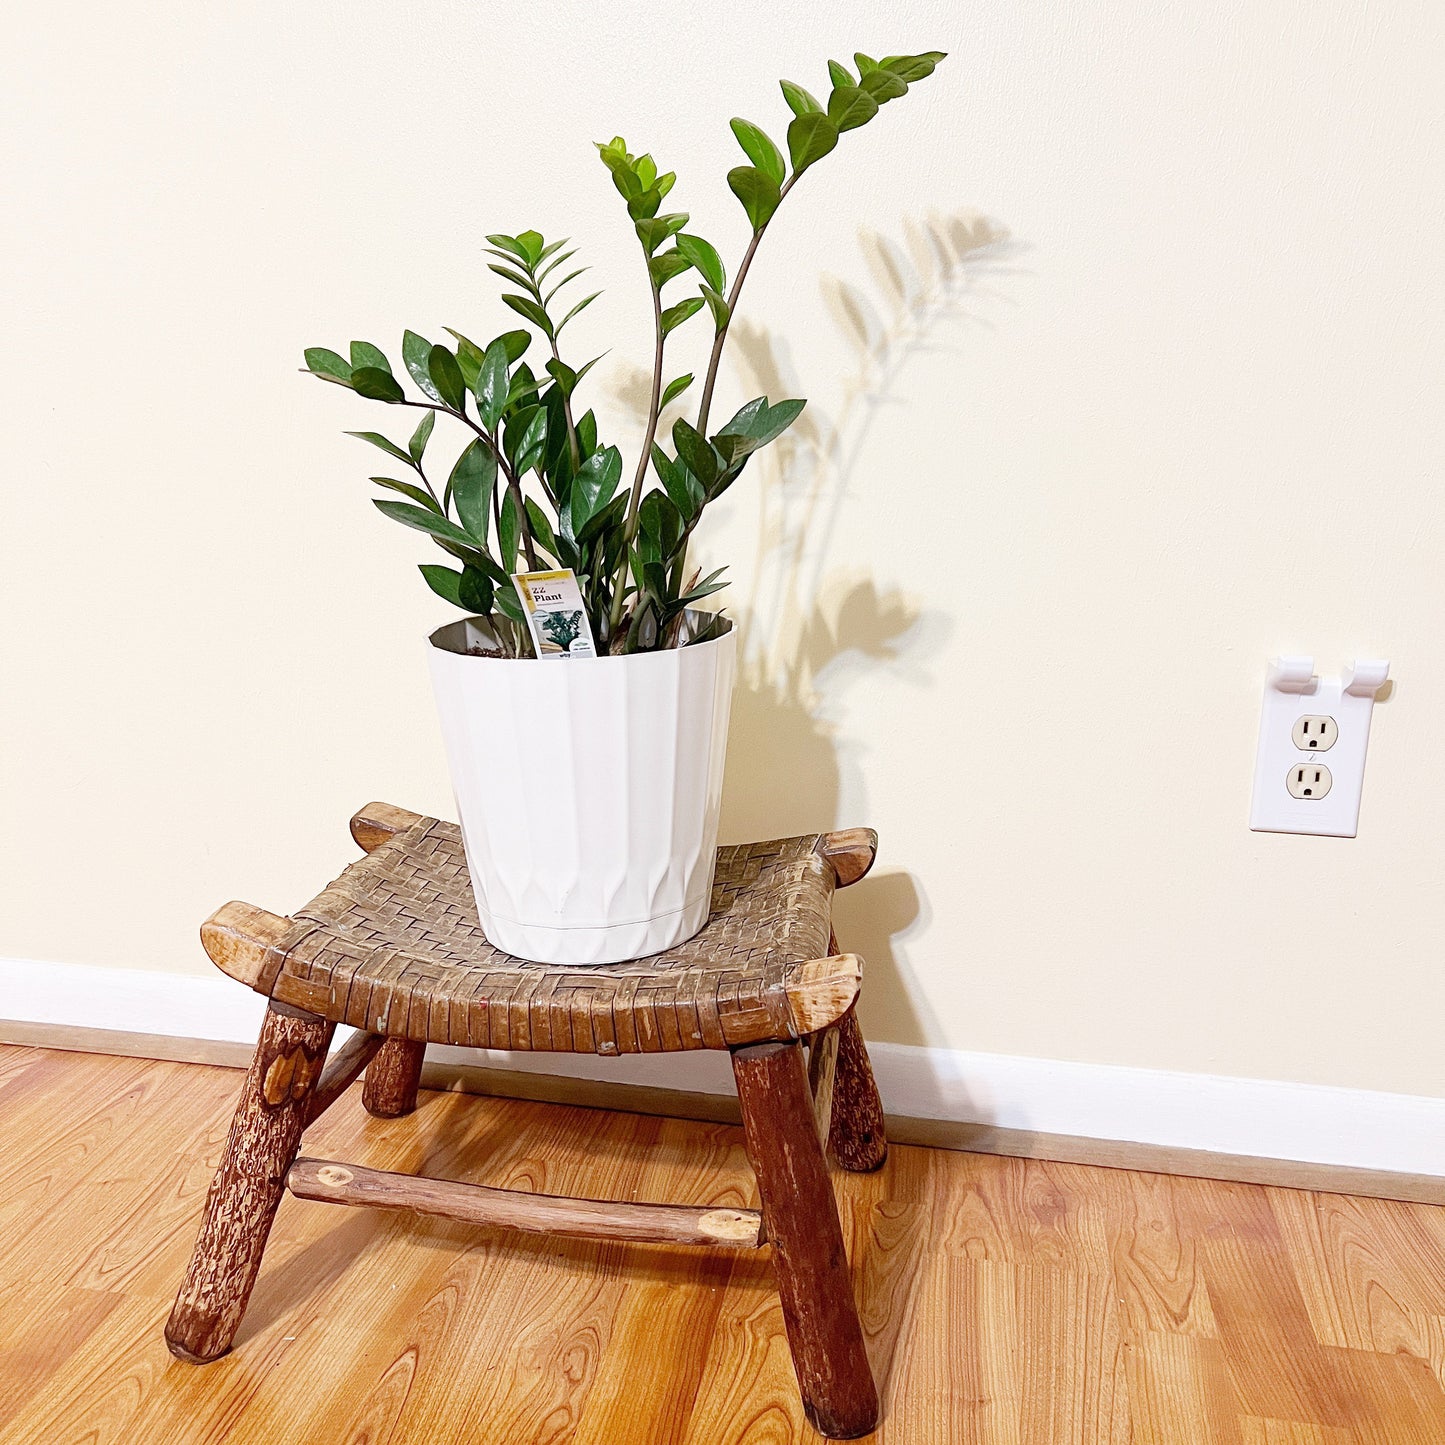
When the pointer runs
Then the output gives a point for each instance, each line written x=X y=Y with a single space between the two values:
x=394 y=946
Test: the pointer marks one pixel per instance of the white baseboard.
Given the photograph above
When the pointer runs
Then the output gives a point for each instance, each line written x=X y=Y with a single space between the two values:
x=1259 y=1118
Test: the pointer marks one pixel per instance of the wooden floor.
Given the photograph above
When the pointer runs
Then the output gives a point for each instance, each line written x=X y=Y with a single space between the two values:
x=1004 y=1300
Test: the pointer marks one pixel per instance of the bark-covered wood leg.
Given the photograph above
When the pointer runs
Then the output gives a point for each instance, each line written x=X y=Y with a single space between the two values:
x=801 y=1220
x=261 y=1147
x=392 y=1078
x=857 y=1136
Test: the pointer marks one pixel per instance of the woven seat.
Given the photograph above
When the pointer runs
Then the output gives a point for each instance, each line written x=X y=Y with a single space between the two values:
x=394 y=947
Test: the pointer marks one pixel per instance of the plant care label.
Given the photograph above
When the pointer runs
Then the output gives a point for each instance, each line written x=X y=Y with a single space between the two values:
x=553 y=603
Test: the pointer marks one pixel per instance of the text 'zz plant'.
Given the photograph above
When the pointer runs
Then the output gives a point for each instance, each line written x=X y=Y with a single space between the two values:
x=535 y=484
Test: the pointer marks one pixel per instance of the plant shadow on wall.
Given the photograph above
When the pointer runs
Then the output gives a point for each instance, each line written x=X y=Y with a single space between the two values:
x=814 y=626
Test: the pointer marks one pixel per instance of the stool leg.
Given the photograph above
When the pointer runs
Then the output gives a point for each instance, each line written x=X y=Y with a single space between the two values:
x=801 y=1219
x=261 y=1147
x=856 y=1137
x=392 y=1078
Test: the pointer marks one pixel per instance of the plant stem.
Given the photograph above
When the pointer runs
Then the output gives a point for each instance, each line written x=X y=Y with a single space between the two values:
x=630 y=530
x=732 y=299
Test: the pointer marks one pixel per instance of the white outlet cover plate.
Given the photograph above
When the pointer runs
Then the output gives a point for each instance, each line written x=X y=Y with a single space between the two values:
x=1337 y=814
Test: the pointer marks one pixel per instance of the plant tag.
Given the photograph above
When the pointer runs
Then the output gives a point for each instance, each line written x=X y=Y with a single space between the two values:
x=553 y=603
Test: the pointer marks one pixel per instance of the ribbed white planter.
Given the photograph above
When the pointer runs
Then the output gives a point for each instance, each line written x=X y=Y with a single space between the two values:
x=588 y=791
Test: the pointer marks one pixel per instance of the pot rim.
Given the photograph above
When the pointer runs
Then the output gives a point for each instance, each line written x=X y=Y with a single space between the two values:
x=440 y=645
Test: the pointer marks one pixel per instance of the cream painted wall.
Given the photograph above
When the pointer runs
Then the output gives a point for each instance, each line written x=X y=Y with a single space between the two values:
x=1170 y=403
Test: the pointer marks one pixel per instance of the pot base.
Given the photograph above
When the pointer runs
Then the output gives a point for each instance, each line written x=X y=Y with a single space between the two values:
x=592 y=947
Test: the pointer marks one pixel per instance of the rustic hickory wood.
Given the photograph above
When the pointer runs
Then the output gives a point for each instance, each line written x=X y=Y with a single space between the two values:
x=333 y=1183
x=393 y=947
x=1004 y=1301
x=839 y=1396
x=275 y=1103
x=392 y=1079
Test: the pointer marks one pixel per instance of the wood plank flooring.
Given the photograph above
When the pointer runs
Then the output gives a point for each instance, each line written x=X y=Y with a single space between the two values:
x=1005 y=1301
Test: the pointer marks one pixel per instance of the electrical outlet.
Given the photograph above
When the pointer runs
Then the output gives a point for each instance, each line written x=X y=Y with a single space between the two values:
x=1315 y=734
x=1302 y=717
x=1312 y=780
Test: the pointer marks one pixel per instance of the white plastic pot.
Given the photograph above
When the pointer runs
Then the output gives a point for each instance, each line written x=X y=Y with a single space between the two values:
x=588 y=791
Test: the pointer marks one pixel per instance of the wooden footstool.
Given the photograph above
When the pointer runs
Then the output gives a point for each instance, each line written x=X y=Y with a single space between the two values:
x=393 y=949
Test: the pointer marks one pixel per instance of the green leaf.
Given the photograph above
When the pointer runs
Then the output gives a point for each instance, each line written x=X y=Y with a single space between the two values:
x=644 y=204
x=684 y=489
x=414 y=352
x=516 y=277
x=492 y=384
x=571 y=276
x=652 y=231
x=516 y=343
x=414 y=493
x=556 y=261
x=883 y=85
x=476 y=591
x=849 y=107
x=376 y=384
x=754 y=426
x=659 y=525
x=706 y=587
x=423 y=520
x=810 y=138
x=704 y=257
x=865 y=63
x=525 y=306
x=508 y=533
x=563 y=375
x=507 y=603
x=328 y=365
x=443 y=581
x=587 y=429
x=542 y=532
x=674 y=316
x=389 y=447
x=800 y=101
x=675 y=388
x=759 y=148
x=665 y=265
x=582 y=305
x=531 y=243
x=839 y=74
x=523 y=385
x=718 y=305
x=533 y=442
x=470 y=488
x=416 y=447
x=757 y=190
x=509 y=243
x=469 y=358
x=695 y=451
x=913 y=67
x=592 y=489
x=446 y=376
x=363 y=353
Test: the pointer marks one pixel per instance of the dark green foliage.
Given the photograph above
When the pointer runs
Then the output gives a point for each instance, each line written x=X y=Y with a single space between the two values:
x=533 y=484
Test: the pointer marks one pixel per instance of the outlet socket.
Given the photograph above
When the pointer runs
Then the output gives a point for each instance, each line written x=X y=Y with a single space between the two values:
x=1308 y=780
x=1315 y=734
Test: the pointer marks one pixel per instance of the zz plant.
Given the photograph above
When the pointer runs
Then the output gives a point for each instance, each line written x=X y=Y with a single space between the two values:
x=534 y=484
